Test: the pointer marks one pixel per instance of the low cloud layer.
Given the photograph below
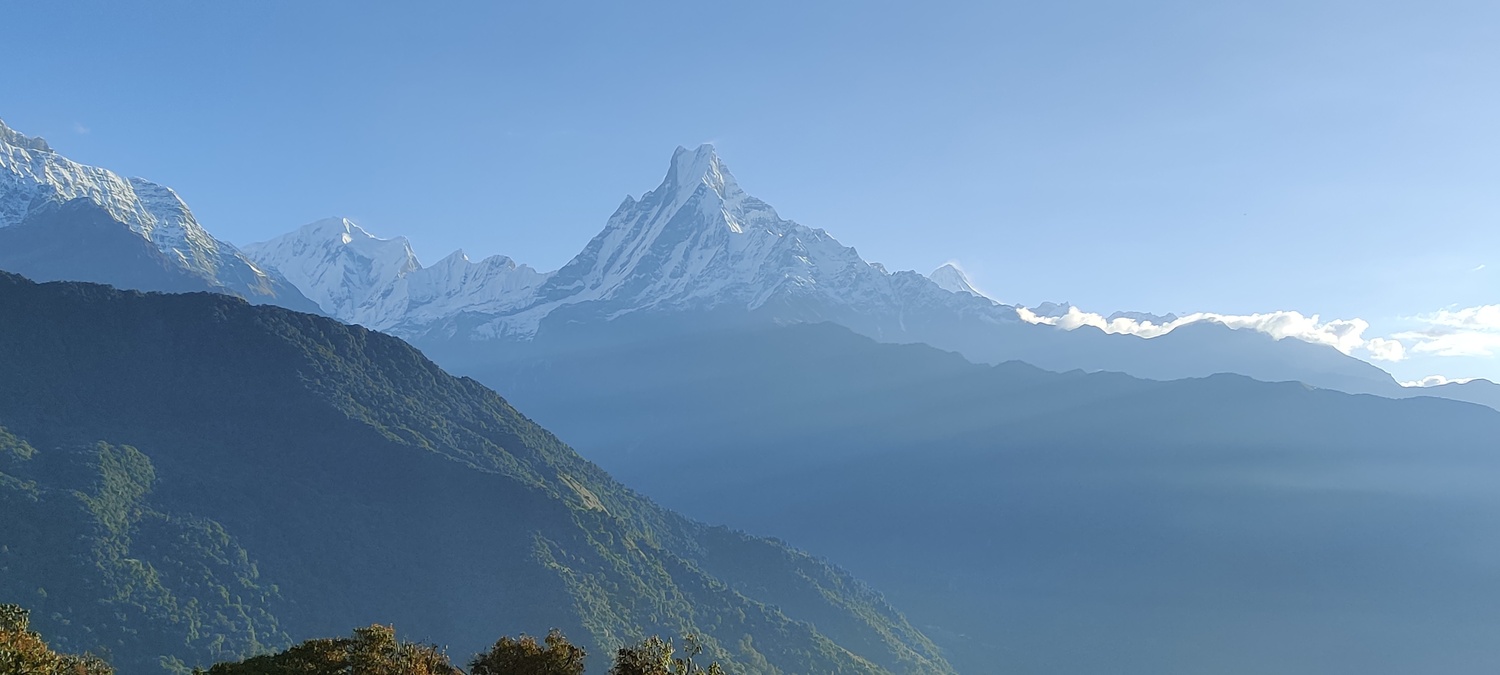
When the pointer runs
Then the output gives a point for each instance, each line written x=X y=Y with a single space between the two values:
x=1435 y=380
x=1472 y=331
x=1345 y=335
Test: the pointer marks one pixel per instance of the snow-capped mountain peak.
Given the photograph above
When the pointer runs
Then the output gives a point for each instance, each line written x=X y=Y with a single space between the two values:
x=699 y=169
x=33 y=174
x=395 y=253
x=11 y=137
x=336 y=263
x=34 y=179
x=950 y=278
x=699 y=177
x=697 y=240
x=361 y=278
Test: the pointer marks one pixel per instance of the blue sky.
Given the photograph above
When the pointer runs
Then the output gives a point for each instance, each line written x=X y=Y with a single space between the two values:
x=1330 y=158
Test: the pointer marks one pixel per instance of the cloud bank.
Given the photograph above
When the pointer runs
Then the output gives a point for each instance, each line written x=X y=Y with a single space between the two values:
x=1436 y=380
x=1472 y=331
x=1345 y=335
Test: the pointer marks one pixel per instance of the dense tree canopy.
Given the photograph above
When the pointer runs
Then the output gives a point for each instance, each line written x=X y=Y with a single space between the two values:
x=655 y=656
x=24 y=652
x=371 y=651
x=525 y=656
x=376 y=651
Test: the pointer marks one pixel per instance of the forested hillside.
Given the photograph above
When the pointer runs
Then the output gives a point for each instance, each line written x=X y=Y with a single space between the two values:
x=240 y=476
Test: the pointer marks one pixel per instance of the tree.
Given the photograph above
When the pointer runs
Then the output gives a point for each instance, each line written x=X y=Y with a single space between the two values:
x=23 y=651
x=555 y=656
x=655 y=656
x=372 y=651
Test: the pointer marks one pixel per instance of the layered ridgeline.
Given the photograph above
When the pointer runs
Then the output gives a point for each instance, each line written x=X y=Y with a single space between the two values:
x=199 y=478
x=61 y=220
x=1064 y=523
x=700 y=245
x=697 y=244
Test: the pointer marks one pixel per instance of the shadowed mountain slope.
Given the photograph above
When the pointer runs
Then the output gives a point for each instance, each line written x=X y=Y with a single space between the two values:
x=1060 y=522
x=360 y=484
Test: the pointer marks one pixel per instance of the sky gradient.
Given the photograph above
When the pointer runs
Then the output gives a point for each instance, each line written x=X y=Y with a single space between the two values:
x=1331 y=158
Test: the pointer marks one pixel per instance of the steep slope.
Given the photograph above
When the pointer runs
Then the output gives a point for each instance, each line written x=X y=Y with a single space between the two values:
x=338 y=264
x=80 y=542
x=379 y=283
x=79 y=240
x=368 y=485
x=138 y=215
x=698 y=241
x=1063 y=523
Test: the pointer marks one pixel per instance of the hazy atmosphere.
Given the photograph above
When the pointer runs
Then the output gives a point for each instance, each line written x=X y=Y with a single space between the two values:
x=658 y=338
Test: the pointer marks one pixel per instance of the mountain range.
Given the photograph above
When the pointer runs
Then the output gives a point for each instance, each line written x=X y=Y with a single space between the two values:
x=698 y=244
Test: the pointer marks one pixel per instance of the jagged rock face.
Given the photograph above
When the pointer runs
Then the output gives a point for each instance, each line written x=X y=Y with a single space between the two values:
x=699 y=242
x=380 y=283
x=696 y=242
x=11 y=137
x=34 y=179
x=337 y=264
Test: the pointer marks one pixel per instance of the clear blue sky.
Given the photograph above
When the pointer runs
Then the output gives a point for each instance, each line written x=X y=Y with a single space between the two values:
x=1339 y=158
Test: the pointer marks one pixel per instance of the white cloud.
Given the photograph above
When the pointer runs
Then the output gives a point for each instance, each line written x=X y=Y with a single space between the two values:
x=1441 y=342
x=1345 y=335
x=79 y=129
x=1467 y=332
x=1471 y=331
x=1385 y=349
x=1483 y=317
x=1435 y=380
